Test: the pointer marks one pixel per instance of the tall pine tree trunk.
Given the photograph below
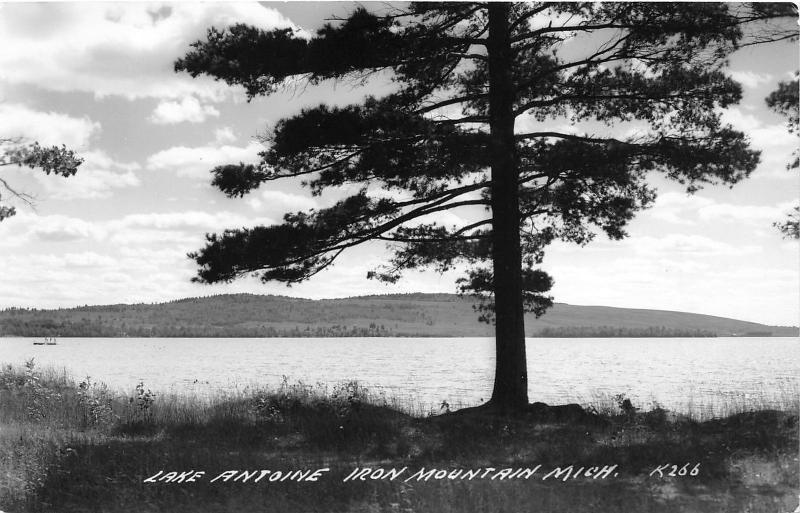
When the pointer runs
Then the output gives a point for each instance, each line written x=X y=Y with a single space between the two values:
x=511 y=371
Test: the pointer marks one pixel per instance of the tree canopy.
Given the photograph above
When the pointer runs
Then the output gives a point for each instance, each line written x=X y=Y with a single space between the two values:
x=53 y=159
x=531 y=121
x=785 y=100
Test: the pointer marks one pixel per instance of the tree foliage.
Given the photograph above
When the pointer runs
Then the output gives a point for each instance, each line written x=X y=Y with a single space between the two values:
x=51 y=160
x=658 y=63
x=446 y=138
x=785 y=100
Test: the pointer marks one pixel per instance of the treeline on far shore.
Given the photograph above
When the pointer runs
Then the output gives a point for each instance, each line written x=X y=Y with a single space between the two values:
x=620 y=332
x=410 y=315
x=93 y=328
x=12 y=327
x=238 y=315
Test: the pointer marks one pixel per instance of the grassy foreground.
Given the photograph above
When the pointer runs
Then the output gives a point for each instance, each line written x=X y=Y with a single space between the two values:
x=67 y=447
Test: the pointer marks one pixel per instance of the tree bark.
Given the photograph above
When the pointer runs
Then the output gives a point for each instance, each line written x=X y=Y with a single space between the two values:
x=511 y=371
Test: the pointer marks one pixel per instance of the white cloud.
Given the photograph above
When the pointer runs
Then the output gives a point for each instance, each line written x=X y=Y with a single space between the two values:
x=391 y=194
x=184 y=221
x=676 y=207
x=88 y=277
x=158 y=237
x=59 y=229
x=751 y=79
x=126 y=49
x=198 y=161
x=137 y=257
x=689 y=246
x=189 y=109
x=55 y=228
x=669 y=246
x=224 y=135
x=175 y=227
x=685 y=209
x=774 y=140
x=87 y=259
x=446 y=218
x=97 y=177
x=707 y=279
x=750 y=214
x=548 y=18
x=255 y=203
x=71 y=260
x=48 y=128
x=281 y=202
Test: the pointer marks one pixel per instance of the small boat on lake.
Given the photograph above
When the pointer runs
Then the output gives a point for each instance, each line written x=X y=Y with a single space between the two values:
x=48 y=341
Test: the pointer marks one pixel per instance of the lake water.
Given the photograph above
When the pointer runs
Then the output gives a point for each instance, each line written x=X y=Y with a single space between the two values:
x=677 y=372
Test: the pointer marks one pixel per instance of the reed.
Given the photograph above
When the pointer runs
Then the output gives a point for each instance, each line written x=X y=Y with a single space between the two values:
x=74 y=445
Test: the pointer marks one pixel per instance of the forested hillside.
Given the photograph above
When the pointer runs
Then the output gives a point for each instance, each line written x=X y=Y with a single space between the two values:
x=435 y=315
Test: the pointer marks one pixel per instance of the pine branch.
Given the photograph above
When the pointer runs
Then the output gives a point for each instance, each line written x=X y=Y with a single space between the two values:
x=357 y=238
x=455 y=236
x=451 y=101
x=26 y=198
x=522 y=19
x=573 y=28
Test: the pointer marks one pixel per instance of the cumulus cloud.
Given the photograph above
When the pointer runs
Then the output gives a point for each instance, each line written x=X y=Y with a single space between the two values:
x=124 y=49
x=196 y=162
x=189 y=109
x=98 y=177
x=72 y=260
x=89 y=277
x=184 y=221
x=717 y=287
x=175 y=227
x=281 y=202
x=751 y=79
x=446 y=218
x=678 y=208
x=685 y=209
x=88 y=259
x=224 y=135
x=689 y=246
x=48 y=128
x=59 y=228
x=751 y=214
x=137 y=257
x=774 y=140
x=185 y=229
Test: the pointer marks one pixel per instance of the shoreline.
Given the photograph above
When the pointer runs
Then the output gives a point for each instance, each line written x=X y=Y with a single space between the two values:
x=83 y=446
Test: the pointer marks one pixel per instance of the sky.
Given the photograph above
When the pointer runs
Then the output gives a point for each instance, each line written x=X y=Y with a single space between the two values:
x=99 y=78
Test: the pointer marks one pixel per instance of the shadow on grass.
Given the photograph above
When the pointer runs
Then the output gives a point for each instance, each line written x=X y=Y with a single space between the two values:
x=358 y=427
x=91 y=452
x=109 y=476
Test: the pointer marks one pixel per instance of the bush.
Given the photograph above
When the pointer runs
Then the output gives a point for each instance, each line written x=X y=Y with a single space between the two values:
x=346 y=416
x=95 y=402
x=39 y=397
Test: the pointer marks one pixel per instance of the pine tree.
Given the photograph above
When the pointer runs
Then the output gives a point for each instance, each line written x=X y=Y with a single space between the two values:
x=15 y=152
x=785 y=100
x=449 y=138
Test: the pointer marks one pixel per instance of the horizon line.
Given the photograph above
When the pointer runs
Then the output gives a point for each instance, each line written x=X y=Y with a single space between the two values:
x=366 y=296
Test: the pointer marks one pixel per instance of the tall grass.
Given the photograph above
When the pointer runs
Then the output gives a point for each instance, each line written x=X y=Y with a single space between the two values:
x=68 y=445
x=784 y=397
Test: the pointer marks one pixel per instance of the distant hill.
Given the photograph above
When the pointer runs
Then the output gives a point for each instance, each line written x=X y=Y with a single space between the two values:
x=418 y=315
